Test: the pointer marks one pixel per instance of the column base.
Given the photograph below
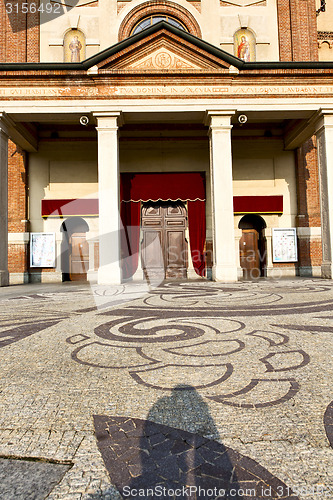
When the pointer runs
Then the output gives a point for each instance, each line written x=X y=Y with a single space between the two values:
x=310 y=271
x=224 y=273
x=109 y=275
x=45 y=277
x=192 y=275
x=138 y=275
x=19 y=278
x=4 y=278
x=92 y=276
x=327 y=270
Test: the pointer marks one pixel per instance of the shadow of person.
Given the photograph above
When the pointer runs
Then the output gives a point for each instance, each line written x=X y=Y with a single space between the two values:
x=174 y=454
x=179 y=458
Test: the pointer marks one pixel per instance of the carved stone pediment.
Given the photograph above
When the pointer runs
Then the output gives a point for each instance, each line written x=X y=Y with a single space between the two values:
x=163 y=52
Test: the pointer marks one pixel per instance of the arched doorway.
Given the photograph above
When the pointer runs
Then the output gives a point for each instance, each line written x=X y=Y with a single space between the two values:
x=164 y=248
x=252 y=246
x=74 y=249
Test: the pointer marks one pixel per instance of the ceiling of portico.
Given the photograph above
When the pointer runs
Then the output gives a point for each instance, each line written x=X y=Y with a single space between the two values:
x=289 y=125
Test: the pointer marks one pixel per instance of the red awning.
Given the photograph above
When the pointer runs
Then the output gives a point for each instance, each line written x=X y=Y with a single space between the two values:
x=258 y=204
x=89 y=207
x=160 y=186
x=79 y=207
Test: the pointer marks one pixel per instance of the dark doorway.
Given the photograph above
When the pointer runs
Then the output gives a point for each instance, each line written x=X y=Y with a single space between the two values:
x=74 y=249
x=164 y=248
x=252 y=246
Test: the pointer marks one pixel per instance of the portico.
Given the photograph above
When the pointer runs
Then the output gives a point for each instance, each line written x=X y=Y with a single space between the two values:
x=183 y=119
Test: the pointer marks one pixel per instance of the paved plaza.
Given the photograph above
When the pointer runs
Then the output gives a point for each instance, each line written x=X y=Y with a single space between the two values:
x=191 y=389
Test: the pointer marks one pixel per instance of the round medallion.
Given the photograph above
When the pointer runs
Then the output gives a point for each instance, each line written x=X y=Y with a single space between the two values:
x=163 y=60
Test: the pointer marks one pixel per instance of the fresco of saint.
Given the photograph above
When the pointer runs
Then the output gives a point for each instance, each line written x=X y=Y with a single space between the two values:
x=243 y=51
x=75 y=47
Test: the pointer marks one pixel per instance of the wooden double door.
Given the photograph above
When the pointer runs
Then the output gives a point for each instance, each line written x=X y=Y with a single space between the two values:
x=164 y=247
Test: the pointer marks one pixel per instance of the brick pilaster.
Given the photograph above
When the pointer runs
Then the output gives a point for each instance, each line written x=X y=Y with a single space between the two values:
x=297 y=30
x=310 y=253
x=17 y=206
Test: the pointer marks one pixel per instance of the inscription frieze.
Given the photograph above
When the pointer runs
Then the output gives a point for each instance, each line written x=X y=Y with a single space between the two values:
x=165 y=91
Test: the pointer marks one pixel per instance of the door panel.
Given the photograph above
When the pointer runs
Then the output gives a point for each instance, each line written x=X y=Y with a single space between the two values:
x=175 y=261
x=249 y=254
x=152 y=255
x=168 y=250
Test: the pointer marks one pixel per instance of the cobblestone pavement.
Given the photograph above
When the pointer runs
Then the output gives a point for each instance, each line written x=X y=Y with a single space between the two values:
x=186 y=384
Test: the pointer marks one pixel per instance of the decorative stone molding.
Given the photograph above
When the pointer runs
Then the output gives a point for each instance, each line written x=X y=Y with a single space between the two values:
x=325 y=37
x=158 y=7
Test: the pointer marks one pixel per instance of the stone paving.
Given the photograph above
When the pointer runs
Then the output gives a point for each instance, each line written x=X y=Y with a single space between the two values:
x=188 y=384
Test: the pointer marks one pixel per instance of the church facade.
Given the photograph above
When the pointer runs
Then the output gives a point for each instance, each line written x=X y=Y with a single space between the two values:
x=165 y=139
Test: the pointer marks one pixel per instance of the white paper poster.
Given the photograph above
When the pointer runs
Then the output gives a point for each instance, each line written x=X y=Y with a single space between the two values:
x=42 y=249
x=284 y=245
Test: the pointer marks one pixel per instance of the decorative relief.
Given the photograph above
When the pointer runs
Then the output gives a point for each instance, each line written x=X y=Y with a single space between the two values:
x=322 y=43
x=325 y=38
x=163 y=59
x=324 y=35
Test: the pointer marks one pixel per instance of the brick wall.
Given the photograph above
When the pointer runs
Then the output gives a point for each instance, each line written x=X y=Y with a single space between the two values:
x=17 y=258
x=17 y=206
x=307 y=176
x=308 y=185
x=298 y=42
x=19 y=35
x=297 y=30
x=17 y=190
x=19 y=42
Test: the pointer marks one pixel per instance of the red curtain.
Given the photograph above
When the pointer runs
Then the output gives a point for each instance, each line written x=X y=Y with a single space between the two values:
x=135 y=188
x=197 y=232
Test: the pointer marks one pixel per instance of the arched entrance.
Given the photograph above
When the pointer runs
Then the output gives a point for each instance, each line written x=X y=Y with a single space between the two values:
x=74 y=249
x=164 y=248
x=252 y=246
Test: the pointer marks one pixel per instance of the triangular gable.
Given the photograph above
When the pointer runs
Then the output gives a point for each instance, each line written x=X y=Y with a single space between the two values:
x=166 y=50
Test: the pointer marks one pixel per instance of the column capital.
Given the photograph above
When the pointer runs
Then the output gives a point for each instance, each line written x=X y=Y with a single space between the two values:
x=109 y=119
x=218 y=119
x=324 y=118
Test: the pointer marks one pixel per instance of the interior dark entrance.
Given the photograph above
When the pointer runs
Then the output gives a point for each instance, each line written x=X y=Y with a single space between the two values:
x=164 y=248
x=252 y=246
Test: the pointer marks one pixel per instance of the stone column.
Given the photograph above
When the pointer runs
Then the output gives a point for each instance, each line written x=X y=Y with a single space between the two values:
x=4 y=275
x=324 y=132
x=224 y=257
x=138 y=275
x=108 y=187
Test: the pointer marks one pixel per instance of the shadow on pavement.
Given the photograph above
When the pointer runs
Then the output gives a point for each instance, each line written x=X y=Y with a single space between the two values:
x=172 y=455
